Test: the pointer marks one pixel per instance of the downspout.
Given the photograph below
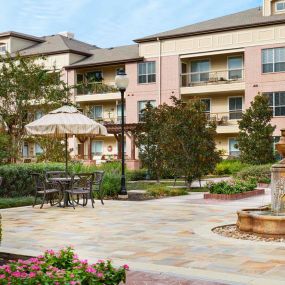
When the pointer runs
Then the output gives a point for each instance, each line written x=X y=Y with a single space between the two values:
x=159 y=71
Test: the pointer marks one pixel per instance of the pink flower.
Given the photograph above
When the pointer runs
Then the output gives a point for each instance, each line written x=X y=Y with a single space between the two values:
x=100 y=275
x=125 y=266
x=32 y=274
x=73 y=282
x=91 y=269
x=2 y=276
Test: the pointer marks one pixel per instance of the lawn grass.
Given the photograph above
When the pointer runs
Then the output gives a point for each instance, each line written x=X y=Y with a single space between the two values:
x=15 y=202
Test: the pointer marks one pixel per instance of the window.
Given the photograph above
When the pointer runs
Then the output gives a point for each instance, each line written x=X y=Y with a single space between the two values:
x=142 y=106
x=38 y=149
x=97 y=148
x=200 y=71
x=277 y=103
x=235 y=108
x=146 y=72
x=233 y=150
x=280 y=6
x=235 y=66
x=39 y=114
x=119 y=113
x=25 y=150
x=207 y=103
x=273 y=60
x=96 y=112
x=3 y=48
x=94 y=76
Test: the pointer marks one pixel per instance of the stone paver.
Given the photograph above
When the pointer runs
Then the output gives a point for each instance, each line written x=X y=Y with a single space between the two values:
x=170 y=236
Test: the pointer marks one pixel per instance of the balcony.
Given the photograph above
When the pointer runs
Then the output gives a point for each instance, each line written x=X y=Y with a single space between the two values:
x=226 y=122
x=212 y=81
x=108 y=121
x=96 y=91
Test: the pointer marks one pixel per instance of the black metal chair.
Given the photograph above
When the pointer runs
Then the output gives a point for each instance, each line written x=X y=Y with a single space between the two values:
x=97 y=185
x=82 y=184
x=48 y=190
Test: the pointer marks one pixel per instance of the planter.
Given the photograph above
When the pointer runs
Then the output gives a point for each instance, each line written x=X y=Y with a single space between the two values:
x=238 y=196
x=263 y=185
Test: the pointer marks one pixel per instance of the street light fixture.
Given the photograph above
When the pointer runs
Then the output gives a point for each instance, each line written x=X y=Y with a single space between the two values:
x=122 y=82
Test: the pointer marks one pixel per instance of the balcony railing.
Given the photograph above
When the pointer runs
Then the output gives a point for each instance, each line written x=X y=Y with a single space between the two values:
x=107 y=121
x=212 y=77
x=224 y=118
x=95 y=88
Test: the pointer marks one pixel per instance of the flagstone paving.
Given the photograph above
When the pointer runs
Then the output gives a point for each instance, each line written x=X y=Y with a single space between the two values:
x=170 y=236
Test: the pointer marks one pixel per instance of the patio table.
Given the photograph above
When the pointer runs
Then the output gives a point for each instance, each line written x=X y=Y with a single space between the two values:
x=65 y=183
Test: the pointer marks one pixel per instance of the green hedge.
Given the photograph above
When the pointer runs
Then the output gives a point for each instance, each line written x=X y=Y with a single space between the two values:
x=260 y=173
x=225 y=187
x=18 y=182
x=229 y=167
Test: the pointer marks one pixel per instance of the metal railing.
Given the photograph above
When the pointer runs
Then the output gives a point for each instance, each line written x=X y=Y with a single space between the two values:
x=95 y=88
x=212 y=77
x=224 y=118
x=106 y=121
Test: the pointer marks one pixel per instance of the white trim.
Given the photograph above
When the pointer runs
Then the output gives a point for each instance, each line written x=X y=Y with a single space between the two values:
x=229 y=105
x=102 y=110
x=230 y=138
x=185 y=56
x=282 y=10
x=146 y=74
x=197 y=60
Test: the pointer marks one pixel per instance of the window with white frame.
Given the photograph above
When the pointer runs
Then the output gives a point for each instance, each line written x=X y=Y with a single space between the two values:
x=3 y=48
x=200 y=70
x=38 y=149
x=235 y=108
x=141 y=108
x=97 y=148
x=207 y=105
x=273 y=60
x=146 y=72
x=96 y=112
x=280 y=6
x=277 y=103
x=235 y=67
x=233 y=149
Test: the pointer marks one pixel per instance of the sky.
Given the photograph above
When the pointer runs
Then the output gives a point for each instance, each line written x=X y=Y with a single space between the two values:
x=109 y=23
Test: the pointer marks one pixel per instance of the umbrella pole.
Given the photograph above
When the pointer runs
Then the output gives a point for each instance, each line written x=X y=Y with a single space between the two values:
x=66 y=153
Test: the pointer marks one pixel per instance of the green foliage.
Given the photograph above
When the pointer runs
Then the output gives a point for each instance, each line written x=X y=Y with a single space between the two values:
x=255 y=139
x=17 y=179
x=24 y=84
x=136 y=175
x=177 y=140
x=229 y=167
x=236 y=187
x=5 y=149
x=63 y=267
x=260 y=173
x=6 y=203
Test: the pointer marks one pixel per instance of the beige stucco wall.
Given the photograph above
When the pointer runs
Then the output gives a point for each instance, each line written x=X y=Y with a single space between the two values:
x=215 y=41
x=222 y=142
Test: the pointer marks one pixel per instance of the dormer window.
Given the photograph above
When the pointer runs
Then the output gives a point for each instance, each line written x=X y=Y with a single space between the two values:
x=280 y=6
x=3 y=48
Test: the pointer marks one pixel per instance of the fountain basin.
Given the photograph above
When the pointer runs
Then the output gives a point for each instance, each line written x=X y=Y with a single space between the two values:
x=261 y=221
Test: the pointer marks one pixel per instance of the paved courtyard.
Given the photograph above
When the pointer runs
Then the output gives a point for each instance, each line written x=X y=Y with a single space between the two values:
x=170 y=236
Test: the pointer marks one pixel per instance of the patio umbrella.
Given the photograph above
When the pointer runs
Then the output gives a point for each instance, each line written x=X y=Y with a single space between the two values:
x=63 y=123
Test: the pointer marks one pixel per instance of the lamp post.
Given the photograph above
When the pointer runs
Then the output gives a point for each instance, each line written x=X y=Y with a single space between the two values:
x=122 y=82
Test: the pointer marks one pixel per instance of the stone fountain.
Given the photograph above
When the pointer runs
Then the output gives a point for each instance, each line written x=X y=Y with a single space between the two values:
x=269 y=220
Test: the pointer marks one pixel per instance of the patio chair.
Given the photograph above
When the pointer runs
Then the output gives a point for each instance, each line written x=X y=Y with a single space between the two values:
x=55 y=174
x=97 y=185
x=48 y=190
x=82 y=184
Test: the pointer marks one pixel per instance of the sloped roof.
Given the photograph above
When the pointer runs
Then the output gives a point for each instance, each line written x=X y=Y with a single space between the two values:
x=21 y=36
x=249 y=18
x=104 y=56
x=58 y=44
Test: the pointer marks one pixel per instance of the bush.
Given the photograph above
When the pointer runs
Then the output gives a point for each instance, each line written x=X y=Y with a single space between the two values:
x=225 y=187
x=136 y=175
x=260 y=173
x=62 y=267
x=229 y=167
x=157 y=191
x=18 y=182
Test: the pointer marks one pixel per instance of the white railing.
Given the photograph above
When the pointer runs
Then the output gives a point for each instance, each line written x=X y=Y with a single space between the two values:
x=212 y=77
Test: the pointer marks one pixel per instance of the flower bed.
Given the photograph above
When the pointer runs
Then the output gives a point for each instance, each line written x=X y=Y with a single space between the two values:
x=58 y=268
x=234 y=196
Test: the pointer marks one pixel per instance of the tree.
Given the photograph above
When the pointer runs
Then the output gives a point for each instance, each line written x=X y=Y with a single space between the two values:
x=255 y=139
x=26 y=85
x=149 y=136
x=189 y=141
x=5 y=149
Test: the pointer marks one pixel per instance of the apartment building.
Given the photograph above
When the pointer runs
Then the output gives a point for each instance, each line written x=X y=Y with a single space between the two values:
x=224 y=61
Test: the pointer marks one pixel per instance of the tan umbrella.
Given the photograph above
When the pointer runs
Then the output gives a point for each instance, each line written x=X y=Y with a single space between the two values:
x=65 y=122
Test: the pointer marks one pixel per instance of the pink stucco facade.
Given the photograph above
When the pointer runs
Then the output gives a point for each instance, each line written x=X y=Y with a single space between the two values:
x=258 y=82
x=166 y=85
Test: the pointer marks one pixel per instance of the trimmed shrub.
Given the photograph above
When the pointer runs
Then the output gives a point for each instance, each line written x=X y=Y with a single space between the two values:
x=229 y=167
x=235 y=187
x=260 y=173
x=136 y=175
